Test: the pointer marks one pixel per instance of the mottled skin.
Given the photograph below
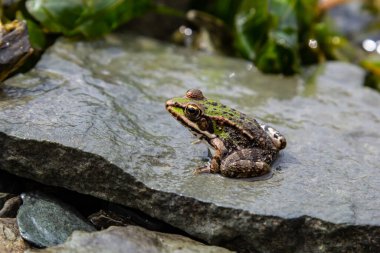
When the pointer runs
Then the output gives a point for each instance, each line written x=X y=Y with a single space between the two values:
x=243 y=147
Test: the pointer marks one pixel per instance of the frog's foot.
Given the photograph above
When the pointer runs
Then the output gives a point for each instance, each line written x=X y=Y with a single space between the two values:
x=196 y=142
x=205 y=169
x=211 y=167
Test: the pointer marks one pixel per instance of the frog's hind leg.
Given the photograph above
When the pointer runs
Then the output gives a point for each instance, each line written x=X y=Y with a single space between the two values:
x=247 y=163
x=277 y=138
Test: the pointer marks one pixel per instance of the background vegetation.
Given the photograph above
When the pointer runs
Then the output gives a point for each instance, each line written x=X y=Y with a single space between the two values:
x=279 y=36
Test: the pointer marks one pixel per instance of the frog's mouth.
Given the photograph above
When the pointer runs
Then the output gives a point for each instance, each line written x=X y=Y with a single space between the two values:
x=171 y=107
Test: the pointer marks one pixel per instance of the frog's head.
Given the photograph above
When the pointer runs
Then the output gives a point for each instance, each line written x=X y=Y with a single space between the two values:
x=191 y=111
x=208 y=119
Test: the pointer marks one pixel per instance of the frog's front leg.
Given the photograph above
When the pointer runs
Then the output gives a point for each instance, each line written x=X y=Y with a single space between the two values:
x=247 y=163
x=214 y=165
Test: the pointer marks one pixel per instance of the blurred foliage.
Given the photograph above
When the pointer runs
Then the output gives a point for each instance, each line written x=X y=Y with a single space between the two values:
x=372 y=5
x=371 y=59
x=265 y=37
x=46 y=19
x=87 y=17
x=278 y=35
x=372 y=65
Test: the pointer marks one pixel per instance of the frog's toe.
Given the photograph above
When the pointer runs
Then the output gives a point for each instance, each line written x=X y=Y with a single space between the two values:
x=262 y=167
x=201 y=170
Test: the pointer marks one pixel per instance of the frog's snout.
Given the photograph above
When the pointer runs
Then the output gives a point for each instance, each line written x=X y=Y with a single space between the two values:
x=169 y=103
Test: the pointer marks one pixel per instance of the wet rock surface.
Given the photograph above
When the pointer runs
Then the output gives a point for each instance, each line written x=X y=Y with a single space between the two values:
x=46 y=221
x=10 y=239
x=130 y=239
x=90 y=117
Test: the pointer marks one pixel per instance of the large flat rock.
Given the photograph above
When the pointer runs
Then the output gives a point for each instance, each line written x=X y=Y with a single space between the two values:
x=90 y=117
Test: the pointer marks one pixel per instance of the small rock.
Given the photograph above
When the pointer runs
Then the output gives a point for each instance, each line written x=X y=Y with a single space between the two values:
x=10 y=207
x=15 y=48
x=104 y=219
x=46 y=221
x=10 y=239
x=4 y=196
x=135 y=217
x=130 y=239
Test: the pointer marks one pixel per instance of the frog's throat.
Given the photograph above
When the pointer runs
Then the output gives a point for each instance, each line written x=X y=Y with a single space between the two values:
x=189 y=124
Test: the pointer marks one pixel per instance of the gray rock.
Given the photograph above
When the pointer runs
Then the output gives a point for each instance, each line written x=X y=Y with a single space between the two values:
x=46 y=221
x=130 y=239
x=90 y=117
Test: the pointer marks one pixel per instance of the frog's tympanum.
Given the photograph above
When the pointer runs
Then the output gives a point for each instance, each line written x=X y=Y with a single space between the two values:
x=243 y=147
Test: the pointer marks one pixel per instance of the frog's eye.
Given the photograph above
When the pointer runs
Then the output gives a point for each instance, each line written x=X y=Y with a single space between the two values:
x=193 y=112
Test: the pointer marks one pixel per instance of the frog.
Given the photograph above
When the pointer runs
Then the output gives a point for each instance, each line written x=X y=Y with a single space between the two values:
x=243 y=147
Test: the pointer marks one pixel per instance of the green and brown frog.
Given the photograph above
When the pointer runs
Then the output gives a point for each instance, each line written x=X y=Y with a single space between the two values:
x=243 y=147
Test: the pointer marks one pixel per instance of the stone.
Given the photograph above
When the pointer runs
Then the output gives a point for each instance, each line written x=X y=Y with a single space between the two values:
x=10 y=239
x=15 y=48
x=10 y=207
x=90 y=117
x=118 y=215
x=46 y=221
x=4 y=196
x=103 y=219
x=130 y=239
x=136 y=217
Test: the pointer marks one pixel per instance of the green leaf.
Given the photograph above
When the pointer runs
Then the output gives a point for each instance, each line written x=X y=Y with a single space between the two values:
x=251 y=27
x=267 y=33
x=223 y=9
x=36 y=36
x=89 y=18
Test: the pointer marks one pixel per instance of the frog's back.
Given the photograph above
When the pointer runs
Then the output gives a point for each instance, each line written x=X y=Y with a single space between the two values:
x=242 y=130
